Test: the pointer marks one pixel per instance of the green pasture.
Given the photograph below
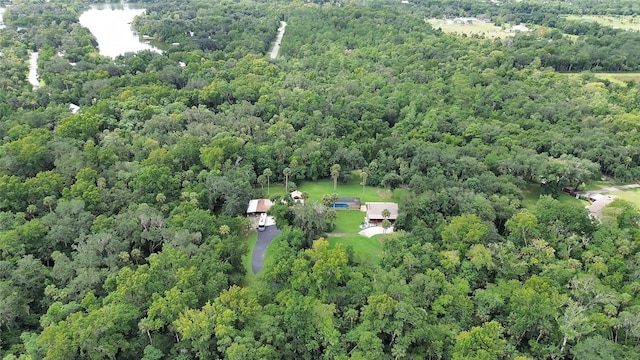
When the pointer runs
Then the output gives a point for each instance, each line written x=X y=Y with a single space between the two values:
x=477 y=28
x=615 y=21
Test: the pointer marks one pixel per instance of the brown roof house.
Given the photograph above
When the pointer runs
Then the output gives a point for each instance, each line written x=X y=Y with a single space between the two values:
x=259 y=206
x=375 y=209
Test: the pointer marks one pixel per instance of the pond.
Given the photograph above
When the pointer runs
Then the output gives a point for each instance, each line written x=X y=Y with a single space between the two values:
x=111 y=25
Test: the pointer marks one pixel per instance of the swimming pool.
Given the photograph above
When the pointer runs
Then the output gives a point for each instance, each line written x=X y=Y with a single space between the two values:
x=340 y=205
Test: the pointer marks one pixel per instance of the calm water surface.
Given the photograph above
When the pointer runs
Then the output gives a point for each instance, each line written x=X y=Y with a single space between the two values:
x=111 y=25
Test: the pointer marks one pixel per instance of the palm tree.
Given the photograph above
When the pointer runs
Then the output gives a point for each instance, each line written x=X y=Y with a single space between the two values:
x=49 y=201
x=332 y=215
x=224 y=230
x=386 y=224
x=261 y=180
x=334 y=198
x=335 y=172
x=32 y=210
x=326 y=200
x=363 y=175
x=267 y=173
x=386 y=213
x=287 y=173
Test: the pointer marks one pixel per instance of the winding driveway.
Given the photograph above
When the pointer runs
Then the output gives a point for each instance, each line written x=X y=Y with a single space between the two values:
x=264 y=239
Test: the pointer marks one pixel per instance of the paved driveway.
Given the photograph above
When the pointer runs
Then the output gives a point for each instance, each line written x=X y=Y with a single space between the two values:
x=375 y=230
x=264 y=239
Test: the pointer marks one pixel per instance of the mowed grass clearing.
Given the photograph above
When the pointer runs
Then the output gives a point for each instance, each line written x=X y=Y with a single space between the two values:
x=532 y=192
x=348 y=222
x=631 y=195
x=365 y=250
x=354 y=189
x=625 y=22
x=619 y=78
x=476 y=28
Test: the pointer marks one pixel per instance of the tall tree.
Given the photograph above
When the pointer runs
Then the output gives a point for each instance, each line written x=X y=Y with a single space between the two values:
x=363 y=176
x=335 y=173
x=286 y=172
x=267 y=173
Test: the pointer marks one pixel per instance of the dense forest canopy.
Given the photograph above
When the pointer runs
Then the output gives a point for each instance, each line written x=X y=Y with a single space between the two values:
x=123 y=227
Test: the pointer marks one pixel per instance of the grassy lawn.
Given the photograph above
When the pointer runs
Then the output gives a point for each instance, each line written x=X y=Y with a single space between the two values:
x=349 y=221
x=631 y=195
x=478 y=27
x=365 y=250
x=274 y=189
x=598 y=184
x=618 y=21
x=354 y=189
x=532 y=193
x=250 y=240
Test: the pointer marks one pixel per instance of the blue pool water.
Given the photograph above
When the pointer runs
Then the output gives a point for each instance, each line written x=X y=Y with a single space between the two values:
x=340 y=205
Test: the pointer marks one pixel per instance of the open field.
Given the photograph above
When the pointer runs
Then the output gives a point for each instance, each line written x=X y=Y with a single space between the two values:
x=619 y=21
x=477 y=28
x=631 y=195
x=619 y=78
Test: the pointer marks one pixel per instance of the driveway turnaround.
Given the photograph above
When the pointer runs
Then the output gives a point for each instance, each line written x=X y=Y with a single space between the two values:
x=375 y=230
x=264 y=239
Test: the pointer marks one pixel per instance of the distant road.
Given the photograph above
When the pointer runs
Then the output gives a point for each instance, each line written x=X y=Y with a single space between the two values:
x=276 y=47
